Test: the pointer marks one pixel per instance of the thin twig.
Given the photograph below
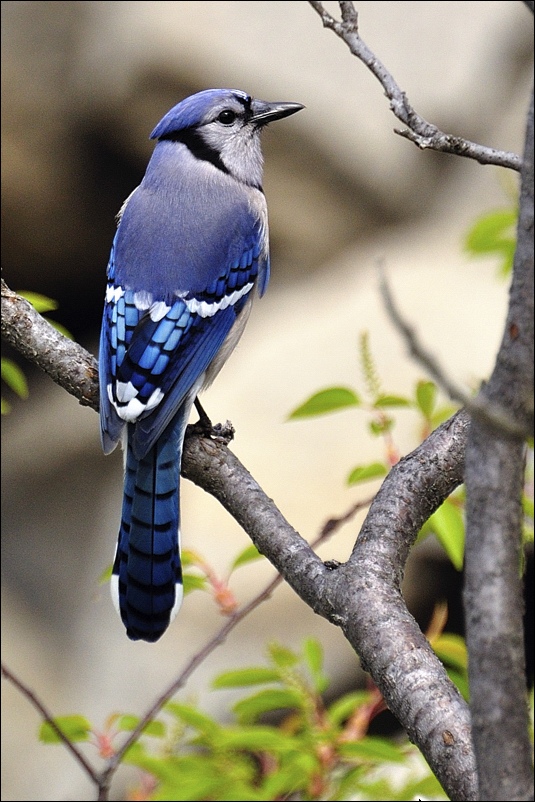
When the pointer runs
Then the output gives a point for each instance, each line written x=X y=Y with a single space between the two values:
x=479 y=407
x=423 y=133
x=49 y=719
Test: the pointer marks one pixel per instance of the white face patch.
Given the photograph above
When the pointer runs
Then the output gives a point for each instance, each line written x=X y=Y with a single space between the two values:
x=238 y=146
x=205 y=309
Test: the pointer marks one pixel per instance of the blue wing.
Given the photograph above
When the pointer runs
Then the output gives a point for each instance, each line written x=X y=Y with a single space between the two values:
x=153 y=349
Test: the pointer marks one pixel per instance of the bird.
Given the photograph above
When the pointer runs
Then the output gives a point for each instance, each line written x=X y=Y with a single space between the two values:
x=190 y=252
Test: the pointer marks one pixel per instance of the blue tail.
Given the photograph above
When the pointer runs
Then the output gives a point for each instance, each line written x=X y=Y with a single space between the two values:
x=147 y=573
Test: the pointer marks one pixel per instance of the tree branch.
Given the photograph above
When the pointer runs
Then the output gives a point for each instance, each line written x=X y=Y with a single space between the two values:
x=493 y=587
x=423 y=133
x=49 y=719
x=66 y=362
x=363 y=596
x=355 y=596
x=379 y=626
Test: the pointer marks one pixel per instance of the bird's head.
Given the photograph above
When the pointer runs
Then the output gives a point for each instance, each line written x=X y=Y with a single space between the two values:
x=223 y=126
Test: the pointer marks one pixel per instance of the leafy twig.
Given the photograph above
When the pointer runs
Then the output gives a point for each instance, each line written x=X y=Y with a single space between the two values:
x=48 y=718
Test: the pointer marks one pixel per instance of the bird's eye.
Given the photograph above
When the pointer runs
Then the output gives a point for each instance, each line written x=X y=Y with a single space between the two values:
x=227 y=117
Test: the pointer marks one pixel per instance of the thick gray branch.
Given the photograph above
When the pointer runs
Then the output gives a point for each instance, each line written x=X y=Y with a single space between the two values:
x=378 y=624
x=493 y=587
x=423 y=133
x=363 y=596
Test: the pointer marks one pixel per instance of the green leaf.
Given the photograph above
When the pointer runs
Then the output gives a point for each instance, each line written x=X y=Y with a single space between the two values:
x=364 y=472
x=460 y=680
x=381 y=427
x=372 y=748
x=442 y=414
x=391 y=401
x=41 y=303
x=426 y=393
x=161 y=768
x=197 y=778
x=344 y=707
x=426 y=788
x=14 y=377
x=290 y=777
x=249 y=554
x=61 y=328
x=325 y=401
x=135 y=754
x=451 y=649
x=313 y=654
x=494 y=233
x=106 y=575
x=528 y=534
x=527 y=506
x=241 y=677
x=350 y=784
x=75 y=728
x=256 y=738
x=249 y=710
x=129 y=723
x=281 y=656
x=490 y=231
x=194 y=718
x=448 y=526
x=193 y=582
x=188 y=557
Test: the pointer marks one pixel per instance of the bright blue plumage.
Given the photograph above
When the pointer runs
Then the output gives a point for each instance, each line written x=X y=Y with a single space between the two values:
x=190 y=250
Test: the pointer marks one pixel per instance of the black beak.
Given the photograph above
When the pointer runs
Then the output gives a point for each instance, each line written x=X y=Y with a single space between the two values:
x=264 y=113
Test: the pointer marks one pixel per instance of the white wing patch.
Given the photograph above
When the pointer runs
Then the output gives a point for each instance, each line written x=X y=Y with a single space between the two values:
x=113 y=293
x=159 y=311
x=142 y=300
x=205 y=309
x=127 y=406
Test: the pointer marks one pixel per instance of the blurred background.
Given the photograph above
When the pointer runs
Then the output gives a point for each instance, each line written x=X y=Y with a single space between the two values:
x=83 y=84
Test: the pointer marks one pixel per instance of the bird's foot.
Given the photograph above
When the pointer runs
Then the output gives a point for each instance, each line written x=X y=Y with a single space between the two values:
x=221 y=432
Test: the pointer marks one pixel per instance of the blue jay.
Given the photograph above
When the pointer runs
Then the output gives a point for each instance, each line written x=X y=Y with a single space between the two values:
x=190 y=250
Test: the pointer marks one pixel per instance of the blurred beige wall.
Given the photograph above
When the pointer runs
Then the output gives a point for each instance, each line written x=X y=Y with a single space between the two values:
x=83 y=84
